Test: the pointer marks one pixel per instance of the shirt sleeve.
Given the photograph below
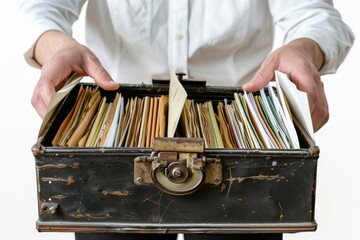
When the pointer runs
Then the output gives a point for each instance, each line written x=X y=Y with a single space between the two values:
x=319 y=21
x=39 y=16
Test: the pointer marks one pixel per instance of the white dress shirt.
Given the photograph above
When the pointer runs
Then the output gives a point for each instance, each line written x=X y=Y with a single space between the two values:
x=223 y=42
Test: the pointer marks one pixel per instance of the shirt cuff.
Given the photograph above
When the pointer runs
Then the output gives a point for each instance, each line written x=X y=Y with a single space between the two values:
x=335 y=50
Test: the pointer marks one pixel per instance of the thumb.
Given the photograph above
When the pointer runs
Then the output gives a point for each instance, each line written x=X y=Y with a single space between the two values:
x=262 y=77
x=94 y=69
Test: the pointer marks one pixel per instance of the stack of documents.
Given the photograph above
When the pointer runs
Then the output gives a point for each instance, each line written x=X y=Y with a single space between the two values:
x=263 y=120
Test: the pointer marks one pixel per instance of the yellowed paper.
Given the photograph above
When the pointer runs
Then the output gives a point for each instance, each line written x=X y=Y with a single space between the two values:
x=97 y=124
x=125 y=122
x=83 y=125
x=74 y=119
x=154 y=119
x=109 y=120
x=144 y=122
x=65 y=123
x=149 y=123
x=58 y=96
x=224 y=127
x=177 y=97
x=161 y=118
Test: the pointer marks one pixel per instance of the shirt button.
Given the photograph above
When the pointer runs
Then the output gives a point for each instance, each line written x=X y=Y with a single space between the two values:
x=179 y=36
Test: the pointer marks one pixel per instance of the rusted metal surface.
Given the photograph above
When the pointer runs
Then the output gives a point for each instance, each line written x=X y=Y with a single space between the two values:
x=195 y=145
x=177 y=172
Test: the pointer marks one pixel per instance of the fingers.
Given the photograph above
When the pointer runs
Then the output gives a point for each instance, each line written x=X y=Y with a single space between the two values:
x=52 y=76
x=320 y=114
x=260 y=79
x=57 y=69
x=38 y=102
x=94 y=69
x=307 y=79
x=42 y=95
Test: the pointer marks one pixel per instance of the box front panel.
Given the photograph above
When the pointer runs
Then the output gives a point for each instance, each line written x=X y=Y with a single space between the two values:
x=99 y=188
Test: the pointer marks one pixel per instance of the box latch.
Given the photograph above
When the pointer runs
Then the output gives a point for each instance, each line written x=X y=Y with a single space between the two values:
x=177 y=166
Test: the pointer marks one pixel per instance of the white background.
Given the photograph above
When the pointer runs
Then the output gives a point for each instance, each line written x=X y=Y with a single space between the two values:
x=338 y=197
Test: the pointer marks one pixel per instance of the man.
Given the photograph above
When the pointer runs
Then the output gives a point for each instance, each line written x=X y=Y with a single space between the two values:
x=223 y=42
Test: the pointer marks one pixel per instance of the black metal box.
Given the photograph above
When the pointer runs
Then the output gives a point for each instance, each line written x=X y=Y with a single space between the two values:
x=95 y=189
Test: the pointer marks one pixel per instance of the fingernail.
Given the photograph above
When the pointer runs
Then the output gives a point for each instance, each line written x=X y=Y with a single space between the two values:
x=112 y=82
x=247 y=85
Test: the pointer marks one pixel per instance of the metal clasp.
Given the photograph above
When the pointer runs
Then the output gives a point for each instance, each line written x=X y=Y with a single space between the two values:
x=174 y=170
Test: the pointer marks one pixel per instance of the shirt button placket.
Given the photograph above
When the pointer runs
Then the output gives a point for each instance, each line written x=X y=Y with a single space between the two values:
x=178 y=35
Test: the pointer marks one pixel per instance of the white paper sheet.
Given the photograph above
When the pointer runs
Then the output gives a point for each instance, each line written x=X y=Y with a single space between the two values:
x=298 y=101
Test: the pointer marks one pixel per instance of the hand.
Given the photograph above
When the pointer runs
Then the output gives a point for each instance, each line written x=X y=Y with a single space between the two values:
x=300 y=59
x=60 y=55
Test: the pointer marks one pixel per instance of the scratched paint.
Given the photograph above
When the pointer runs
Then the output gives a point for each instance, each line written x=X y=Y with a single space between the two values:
x=240 y=179
x=117 y=193
x=70 y=180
